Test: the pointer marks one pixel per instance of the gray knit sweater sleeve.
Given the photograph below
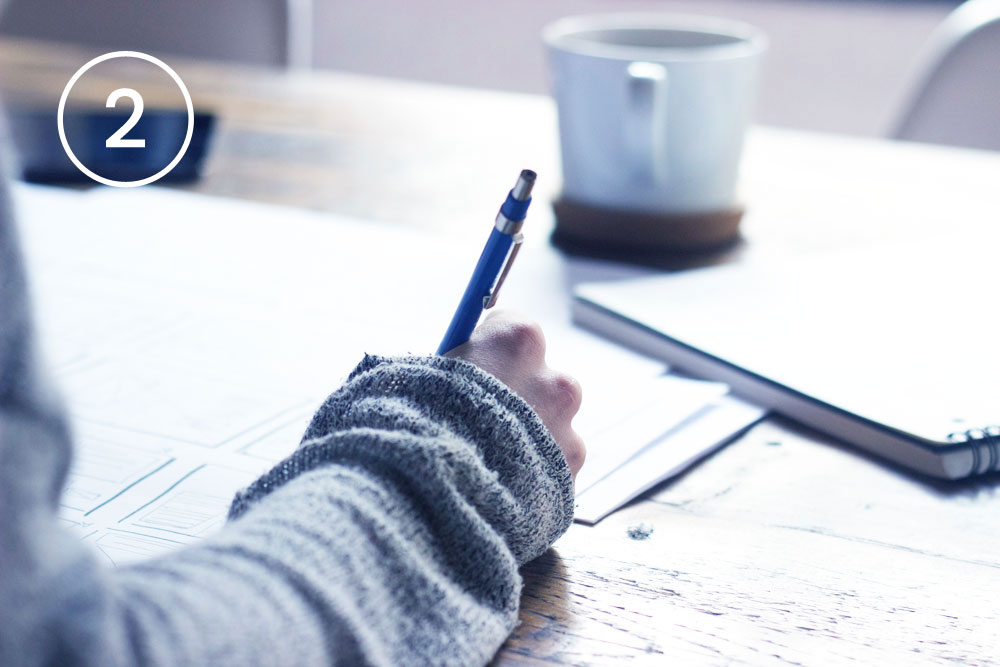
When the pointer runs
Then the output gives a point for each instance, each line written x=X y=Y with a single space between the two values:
x=392 y=536
x=474 y=456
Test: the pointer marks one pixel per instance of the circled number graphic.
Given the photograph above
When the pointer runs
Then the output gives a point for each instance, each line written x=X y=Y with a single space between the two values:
x=118 y=140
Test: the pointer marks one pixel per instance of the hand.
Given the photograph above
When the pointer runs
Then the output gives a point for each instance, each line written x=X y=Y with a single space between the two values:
x=513 y=350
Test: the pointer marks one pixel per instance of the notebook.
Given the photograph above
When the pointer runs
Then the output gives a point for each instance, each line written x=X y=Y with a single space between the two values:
x=893 y=349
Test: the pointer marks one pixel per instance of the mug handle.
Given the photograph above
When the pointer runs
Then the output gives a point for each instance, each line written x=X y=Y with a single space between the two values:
x=645 y=124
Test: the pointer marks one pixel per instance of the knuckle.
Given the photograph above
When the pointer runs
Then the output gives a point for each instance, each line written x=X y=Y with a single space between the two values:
x=575 y=451
x=567 y=392
x=525 y=338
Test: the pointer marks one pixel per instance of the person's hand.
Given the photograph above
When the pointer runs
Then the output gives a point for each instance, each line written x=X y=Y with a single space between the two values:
x=513 y=349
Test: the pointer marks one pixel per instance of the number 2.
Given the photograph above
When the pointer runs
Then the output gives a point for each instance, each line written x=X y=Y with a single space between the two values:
x=116 y=140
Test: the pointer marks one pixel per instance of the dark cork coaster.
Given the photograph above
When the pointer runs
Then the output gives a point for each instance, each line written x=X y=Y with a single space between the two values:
x=645 y=238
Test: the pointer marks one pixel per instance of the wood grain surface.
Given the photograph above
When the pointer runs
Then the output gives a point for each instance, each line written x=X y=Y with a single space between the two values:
x=784 y=547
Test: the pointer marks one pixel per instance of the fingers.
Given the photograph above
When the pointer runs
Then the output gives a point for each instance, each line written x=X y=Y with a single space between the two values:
x=512 y=348
x=520 y=340
x=559 y=395
x=574 y=449
x=506 y=345
x=567 y=393
x=556 y=401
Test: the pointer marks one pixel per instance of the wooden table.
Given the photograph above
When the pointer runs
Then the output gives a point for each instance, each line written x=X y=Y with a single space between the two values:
x=785 y=547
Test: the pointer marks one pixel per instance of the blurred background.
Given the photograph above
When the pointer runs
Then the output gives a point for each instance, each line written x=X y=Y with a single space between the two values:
x=834 y=65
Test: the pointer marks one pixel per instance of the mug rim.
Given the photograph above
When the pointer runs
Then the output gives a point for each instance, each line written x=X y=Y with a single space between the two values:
x=564 y=35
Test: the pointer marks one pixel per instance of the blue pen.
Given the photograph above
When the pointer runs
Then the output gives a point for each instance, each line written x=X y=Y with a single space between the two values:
x=494 y=264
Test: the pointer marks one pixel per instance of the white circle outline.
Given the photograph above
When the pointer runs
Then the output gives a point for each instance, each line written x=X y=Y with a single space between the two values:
x=62 y=108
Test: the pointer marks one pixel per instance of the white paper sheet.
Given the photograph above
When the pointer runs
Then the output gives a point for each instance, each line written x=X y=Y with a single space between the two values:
x=193 y=337
x=669 y=455
x=630 y=418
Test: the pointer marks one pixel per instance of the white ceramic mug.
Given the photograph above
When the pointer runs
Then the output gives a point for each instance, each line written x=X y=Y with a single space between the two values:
x=653 y=108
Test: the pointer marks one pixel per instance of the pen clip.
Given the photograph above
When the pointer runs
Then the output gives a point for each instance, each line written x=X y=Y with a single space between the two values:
x=490 y=299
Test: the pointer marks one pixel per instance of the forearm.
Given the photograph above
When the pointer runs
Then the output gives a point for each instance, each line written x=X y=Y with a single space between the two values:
x=330 y=569
x=392 y=536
